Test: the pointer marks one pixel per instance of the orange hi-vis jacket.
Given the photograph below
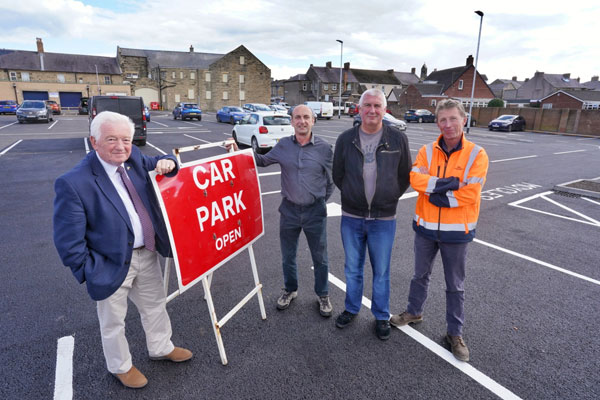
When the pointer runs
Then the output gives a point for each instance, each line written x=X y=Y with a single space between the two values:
x=444 y=212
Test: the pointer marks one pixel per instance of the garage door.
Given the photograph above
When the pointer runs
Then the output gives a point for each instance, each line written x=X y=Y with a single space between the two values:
x=149 y=95
x=31 y=95
x=69 y=99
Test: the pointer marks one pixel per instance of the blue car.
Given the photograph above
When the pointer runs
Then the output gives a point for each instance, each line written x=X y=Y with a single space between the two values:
x=230 y=114
x=187 y=111
x=147 y=113
x=419 y=116
x=8 y=107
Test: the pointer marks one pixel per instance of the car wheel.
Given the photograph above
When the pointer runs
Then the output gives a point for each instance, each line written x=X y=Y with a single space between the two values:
x=356 y=123
x=20 y=121
x=199 y=118
x=509 y=128
x=255 y=145
x=141 y=142
x=174 y=117
x=234 y=137
x=232 y=121
x=420 y=120
x=490 y=128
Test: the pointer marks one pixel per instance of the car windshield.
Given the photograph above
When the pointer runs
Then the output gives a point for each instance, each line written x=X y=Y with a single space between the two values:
x=277 y=120
x=7 y=102
x=261 y=107
x=235 y=109
x=32 y=104
x=190 y=105
x=504 y=117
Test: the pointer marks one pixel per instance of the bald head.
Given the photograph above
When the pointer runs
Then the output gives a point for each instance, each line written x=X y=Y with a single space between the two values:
x=303 y=120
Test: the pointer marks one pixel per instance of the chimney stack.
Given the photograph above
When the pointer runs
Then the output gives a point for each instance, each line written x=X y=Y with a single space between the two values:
x=514 y=78
x=567 y=76
x=40 y=45
x=413 y=70
x=470 y=60
x=595 y=78
x=191 y=48
x=328 y=64
x=391 y=71
x=347 y=65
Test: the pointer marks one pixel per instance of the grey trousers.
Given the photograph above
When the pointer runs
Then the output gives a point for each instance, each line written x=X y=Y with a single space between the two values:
x=453 y=258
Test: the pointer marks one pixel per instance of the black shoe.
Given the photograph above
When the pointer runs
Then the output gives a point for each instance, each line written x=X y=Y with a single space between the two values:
x=382 y=329
x=344 y=319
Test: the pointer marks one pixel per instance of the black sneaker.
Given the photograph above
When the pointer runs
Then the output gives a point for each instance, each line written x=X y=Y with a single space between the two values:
x=344 y=319
x=382 y=329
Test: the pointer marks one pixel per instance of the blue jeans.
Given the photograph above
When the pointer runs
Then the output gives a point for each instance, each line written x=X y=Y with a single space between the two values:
x=378 y=236
x=312 y=220
x=453 y=258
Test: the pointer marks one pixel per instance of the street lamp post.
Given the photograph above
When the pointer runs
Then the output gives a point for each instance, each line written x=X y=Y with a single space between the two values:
x=340 y=88
x=480 y=13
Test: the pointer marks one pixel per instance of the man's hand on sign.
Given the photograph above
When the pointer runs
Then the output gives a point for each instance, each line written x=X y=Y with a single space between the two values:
x=230 y=145
x=164 y=166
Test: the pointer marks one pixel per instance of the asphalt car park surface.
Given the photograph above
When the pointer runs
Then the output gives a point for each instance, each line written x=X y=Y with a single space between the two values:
x=532 y=288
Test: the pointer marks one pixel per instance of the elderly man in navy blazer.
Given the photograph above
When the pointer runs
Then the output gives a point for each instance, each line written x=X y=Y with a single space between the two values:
x=108 y=229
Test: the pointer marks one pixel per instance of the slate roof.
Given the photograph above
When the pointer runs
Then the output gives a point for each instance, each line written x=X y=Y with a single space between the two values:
x=558 y=81
x=375 y=76
x=593 y=85
x=299 y=77
x=447 y=76
x=59 y=62
x=333 y=74
x=583 y=95
x=173 y=59
x=430 y=89
x=407 y=78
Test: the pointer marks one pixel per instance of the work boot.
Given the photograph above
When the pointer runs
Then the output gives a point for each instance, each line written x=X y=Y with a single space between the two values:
x=285 y=299
x=382 y=329
x=325 y=308
x=458 y=347
x=344 y=319
x=404 y=319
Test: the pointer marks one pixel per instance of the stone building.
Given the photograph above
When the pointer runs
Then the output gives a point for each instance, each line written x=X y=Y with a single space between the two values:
x=64 y=78
x=211 y=80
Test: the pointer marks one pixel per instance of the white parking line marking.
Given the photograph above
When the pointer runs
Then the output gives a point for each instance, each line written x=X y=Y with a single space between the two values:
x=270 y=173
x=13 y=145
x=409 y=195
x=571 y=151
x=87 y=147
x=63 y=382
x=193 y=137
x=516 y=158
x=591 y=201
x=54 y=123
x=542 y=263
x=444 y=354
x=590 y=221
x=2 y=127
x=159 y=123
x=154 y=147
x=273 y=192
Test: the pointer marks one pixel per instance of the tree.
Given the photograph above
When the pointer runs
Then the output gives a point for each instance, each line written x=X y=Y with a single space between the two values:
x=496 y=103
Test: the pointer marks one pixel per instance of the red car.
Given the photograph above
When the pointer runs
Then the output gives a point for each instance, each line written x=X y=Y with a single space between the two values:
x=353 y=110
x=53 y=106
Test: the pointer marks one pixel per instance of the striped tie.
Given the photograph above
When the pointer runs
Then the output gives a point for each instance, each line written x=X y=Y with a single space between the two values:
x=147 y=228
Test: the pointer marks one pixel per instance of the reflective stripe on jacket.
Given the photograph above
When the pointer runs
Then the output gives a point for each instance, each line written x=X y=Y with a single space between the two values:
x=444 y=212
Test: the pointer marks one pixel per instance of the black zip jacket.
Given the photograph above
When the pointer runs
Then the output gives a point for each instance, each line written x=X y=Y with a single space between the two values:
x=393 y=169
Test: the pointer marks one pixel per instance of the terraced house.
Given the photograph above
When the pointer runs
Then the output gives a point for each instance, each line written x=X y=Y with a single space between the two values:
x=208 y=79
x=64 y=78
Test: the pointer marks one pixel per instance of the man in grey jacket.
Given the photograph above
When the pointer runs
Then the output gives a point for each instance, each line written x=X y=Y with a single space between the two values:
x=371 y=167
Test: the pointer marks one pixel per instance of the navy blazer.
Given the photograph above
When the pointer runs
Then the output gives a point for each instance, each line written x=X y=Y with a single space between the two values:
x=92 y=230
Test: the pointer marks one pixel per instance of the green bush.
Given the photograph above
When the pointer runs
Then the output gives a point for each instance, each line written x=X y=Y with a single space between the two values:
x=496 y=103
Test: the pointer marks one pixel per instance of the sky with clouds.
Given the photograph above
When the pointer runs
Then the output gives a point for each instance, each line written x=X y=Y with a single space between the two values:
x=518 y=37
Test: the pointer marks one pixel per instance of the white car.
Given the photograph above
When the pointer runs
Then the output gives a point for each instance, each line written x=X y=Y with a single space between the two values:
x=262 y=130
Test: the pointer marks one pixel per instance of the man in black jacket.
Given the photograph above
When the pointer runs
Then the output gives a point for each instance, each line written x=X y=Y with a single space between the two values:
x=371 y=167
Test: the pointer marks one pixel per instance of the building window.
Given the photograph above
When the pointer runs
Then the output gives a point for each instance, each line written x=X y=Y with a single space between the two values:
x=181 y=75
x=177 y=98
x=241 y=78
x=348 y=86
x=192 y=75
x=242 y=60
x=13 y=75
x=325 y=86
x=131 y=75
x=80 y=80
x=225 y=78
x=60 y=78
x=242 y=95
x=225 y=96
x=208 y=95
x=460 y=84
x=383 y=88
x=25 y=76
x=173 y=75
x=190 y=94
x=304 y=86
x=334 y=87
x=163 y=74
x=207 y=77
x=149 y=75
x=433 y=103
x=547 y=106
x=107 y=80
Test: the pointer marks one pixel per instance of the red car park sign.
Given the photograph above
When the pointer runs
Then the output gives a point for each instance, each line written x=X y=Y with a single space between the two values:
x=213 y=211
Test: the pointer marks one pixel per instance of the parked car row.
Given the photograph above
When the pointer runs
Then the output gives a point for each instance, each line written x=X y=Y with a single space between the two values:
x=507 y=123
x=34 y=110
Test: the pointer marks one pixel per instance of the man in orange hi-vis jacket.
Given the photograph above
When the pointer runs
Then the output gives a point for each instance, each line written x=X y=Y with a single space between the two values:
x=448 y=175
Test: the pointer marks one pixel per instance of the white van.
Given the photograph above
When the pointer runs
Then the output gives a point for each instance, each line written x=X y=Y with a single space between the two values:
x=323 y=109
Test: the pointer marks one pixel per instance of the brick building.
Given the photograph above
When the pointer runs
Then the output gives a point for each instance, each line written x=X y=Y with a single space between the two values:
x=572 y=99
x=64 y=78
x=211 y=80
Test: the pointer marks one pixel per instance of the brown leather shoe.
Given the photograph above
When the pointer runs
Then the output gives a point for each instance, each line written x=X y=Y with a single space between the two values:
x=458 y=347
x=133 y=378
x=179 y=354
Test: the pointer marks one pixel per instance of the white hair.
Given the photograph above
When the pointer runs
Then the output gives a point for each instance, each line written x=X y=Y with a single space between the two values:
x=373 y=92
x=111 y=118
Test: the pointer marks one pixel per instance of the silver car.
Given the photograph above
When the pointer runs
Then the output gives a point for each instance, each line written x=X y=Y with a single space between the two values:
x=34 y=110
